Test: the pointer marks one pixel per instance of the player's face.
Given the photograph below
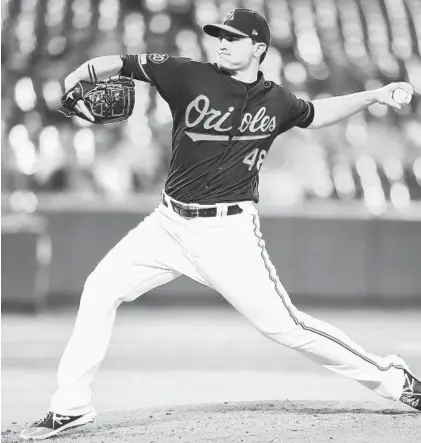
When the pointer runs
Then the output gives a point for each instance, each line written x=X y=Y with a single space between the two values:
x=234 y=52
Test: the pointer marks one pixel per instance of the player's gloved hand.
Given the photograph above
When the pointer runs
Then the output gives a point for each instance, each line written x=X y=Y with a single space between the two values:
x=100 y=102
x=384 y=95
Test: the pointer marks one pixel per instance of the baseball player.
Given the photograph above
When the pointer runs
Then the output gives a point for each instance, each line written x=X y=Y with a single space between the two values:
x=226 y=116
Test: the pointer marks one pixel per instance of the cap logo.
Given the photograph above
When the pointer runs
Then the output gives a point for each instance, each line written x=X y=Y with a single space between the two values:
x=229 y=16
x=255 y=32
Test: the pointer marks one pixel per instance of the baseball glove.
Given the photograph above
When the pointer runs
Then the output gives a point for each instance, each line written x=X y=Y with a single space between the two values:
x=109 y=101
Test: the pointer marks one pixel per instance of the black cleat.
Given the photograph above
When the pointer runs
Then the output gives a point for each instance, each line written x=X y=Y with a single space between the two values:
x=411 y=394
x=54 y=423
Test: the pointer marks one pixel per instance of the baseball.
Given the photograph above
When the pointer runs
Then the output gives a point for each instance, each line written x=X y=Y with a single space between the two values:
x=401 y=96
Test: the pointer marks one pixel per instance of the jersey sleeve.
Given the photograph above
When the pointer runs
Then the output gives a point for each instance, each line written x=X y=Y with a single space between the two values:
x=298 y=112
x=166 y=73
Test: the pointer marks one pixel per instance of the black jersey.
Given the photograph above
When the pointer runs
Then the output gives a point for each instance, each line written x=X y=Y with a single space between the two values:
x=222 y=130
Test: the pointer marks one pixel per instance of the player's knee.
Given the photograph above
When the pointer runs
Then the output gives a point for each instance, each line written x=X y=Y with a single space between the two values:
x=95 y=287
x=268 y=329
x=90 y=283
x=284 y=334
x=102 y=289
x=280 y=322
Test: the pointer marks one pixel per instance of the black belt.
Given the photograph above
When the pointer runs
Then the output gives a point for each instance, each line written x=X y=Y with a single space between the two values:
x=199 y=212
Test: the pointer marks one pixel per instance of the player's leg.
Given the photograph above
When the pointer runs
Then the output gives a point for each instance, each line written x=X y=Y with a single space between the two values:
x=147 y=257
x=243 y=273
x=141 y=261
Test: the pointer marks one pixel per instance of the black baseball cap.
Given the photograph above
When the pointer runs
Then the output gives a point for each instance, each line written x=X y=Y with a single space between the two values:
x=243 y=22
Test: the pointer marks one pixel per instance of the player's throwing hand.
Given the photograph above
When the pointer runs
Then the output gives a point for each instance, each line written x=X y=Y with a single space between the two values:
x=387 y=96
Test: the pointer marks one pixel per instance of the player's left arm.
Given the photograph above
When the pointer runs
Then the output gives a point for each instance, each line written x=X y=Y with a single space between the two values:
x=334 y=109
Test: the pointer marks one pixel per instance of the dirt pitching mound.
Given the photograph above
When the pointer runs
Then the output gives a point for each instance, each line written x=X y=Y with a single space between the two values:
x=257 y=422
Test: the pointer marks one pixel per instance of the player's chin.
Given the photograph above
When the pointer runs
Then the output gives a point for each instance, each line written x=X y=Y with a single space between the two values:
x=226 y=67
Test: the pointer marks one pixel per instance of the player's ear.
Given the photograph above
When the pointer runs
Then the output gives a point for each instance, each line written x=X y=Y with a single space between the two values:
x=259 y=50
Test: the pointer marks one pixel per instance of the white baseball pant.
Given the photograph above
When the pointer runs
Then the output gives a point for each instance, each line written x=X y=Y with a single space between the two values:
x=226 y=253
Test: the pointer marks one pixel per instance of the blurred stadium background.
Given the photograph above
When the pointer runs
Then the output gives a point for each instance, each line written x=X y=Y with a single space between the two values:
x=319 y=48
x=340 y=206
x=367 y=167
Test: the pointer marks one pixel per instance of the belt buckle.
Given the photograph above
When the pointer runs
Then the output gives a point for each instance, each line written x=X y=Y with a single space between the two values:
x=195 y=213
x=192 y=212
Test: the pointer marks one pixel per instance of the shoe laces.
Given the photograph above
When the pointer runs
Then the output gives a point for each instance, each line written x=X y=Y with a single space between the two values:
x=41 y=420
x=409 y=386
x=59 y=420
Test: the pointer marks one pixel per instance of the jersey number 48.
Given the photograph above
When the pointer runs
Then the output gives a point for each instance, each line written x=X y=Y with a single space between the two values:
x=255 y=158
